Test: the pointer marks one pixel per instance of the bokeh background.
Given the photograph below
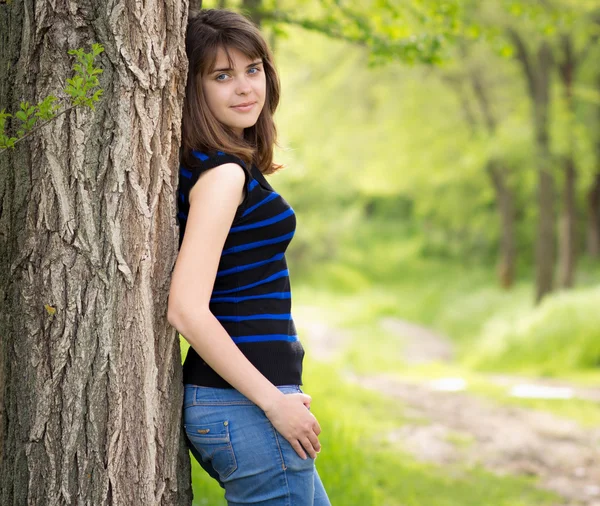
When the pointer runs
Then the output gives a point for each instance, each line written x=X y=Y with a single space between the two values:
x=443 y=161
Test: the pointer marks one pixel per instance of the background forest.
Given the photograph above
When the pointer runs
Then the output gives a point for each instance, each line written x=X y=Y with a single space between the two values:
x=443 y=159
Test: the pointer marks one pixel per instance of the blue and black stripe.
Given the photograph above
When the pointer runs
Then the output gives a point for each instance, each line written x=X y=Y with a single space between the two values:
x=251 y=296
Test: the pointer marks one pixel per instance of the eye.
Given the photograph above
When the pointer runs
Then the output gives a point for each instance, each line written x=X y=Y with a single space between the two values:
x=217 y=78
x=254 y=68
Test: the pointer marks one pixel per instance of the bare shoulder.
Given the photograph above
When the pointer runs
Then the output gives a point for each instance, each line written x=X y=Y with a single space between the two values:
x=227 y=179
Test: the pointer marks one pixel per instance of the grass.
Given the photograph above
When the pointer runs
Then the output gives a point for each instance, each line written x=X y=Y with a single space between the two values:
x=562 y=334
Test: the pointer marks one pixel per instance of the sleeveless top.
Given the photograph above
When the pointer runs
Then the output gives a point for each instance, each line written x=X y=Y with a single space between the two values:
x=251 y=296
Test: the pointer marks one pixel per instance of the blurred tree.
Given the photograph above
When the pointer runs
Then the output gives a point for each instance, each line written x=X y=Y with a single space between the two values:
x=569 y=61
x=254 y=9
x=537 y=67
x=469 y=83
x=593 y=194
x=549 y=26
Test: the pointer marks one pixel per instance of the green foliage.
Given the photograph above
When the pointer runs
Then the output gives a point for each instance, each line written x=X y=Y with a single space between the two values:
x=397 y=134
x=412 y=32
x=5 y=141
x=47 y=109
x=79 y=88
x=85 y=78
x=24 y=115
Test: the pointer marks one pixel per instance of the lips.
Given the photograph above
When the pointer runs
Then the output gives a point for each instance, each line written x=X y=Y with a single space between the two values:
x=244 y=104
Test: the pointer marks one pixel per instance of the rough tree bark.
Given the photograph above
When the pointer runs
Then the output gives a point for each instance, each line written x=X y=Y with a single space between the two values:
x=537 y=69
x=90 y=369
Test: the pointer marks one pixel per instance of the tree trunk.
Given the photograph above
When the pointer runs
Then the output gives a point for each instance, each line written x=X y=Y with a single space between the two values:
x=506 y=212
x=593 y=205
x=537 y=73
x=504 y=196
x=546 y=235
x=507 y=256
x=253 y=9
x=90 y=370
x=568 y=221
x=568 y=227
x=593 y=197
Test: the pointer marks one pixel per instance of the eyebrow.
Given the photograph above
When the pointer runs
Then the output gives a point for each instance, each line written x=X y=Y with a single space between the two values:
x=253 y=64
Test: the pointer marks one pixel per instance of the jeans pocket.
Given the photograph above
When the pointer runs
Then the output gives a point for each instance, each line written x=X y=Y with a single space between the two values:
x=214 y=445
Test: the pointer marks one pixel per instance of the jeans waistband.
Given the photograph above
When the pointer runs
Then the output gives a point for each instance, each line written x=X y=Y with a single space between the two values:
x=196 y=394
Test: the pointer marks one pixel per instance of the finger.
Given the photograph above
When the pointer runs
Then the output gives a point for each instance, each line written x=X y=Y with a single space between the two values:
x=316 y=427
x=309 y=447
x=306 y=399
x=296 y=446
x=315 y=441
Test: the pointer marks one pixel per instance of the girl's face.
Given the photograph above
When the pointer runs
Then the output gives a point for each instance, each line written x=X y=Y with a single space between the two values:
x=226 y=89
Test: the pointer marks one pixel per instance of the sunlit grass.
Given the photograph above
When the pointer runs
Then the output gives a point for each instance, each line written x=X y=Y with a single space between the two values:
x=562 y=334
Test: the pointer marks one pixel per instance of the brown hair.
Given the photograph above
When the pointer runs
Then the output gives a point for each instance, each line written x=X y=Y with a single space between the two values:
x=207 y=31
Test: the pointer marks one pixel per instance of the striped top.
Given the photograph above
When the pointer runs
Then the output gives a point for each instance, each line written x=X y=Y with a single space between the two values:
x=251 y=295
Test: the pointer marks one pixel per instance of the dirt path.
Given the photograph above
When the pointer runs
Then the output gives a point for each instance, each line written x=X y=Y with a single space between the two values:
x=464 y=428
x=501 y=438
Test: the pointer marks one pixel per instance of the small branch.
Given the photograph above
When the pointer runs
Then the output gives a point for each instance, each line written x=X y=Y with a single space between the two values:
x=39 y=127
x=524 y=58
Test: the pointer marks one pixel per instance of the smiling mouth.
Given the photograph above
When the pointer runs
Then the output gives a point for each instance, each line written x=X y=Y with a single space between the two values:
x=243 y=108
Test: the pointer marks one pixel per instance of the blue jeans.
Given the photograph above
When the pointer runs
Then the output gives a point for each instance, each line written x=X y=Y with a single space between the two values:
x=236 y=444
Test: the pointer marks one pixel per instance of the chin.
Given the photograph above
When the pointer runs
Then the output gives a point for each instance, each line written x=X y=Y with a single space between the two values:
x=246 y=124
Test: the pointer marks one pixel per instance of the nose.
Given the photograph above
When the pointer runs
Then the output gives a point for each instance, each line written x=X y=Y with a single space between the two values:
x=243 y=85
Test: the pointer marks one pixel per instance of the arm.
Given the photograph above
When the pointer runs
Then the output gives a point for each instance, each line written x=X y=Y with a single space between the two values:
x=213 y=204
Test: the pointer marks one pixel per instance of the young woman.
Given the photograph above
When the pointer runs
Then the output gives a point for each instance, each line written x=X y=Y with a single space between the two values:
x=246 y=419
